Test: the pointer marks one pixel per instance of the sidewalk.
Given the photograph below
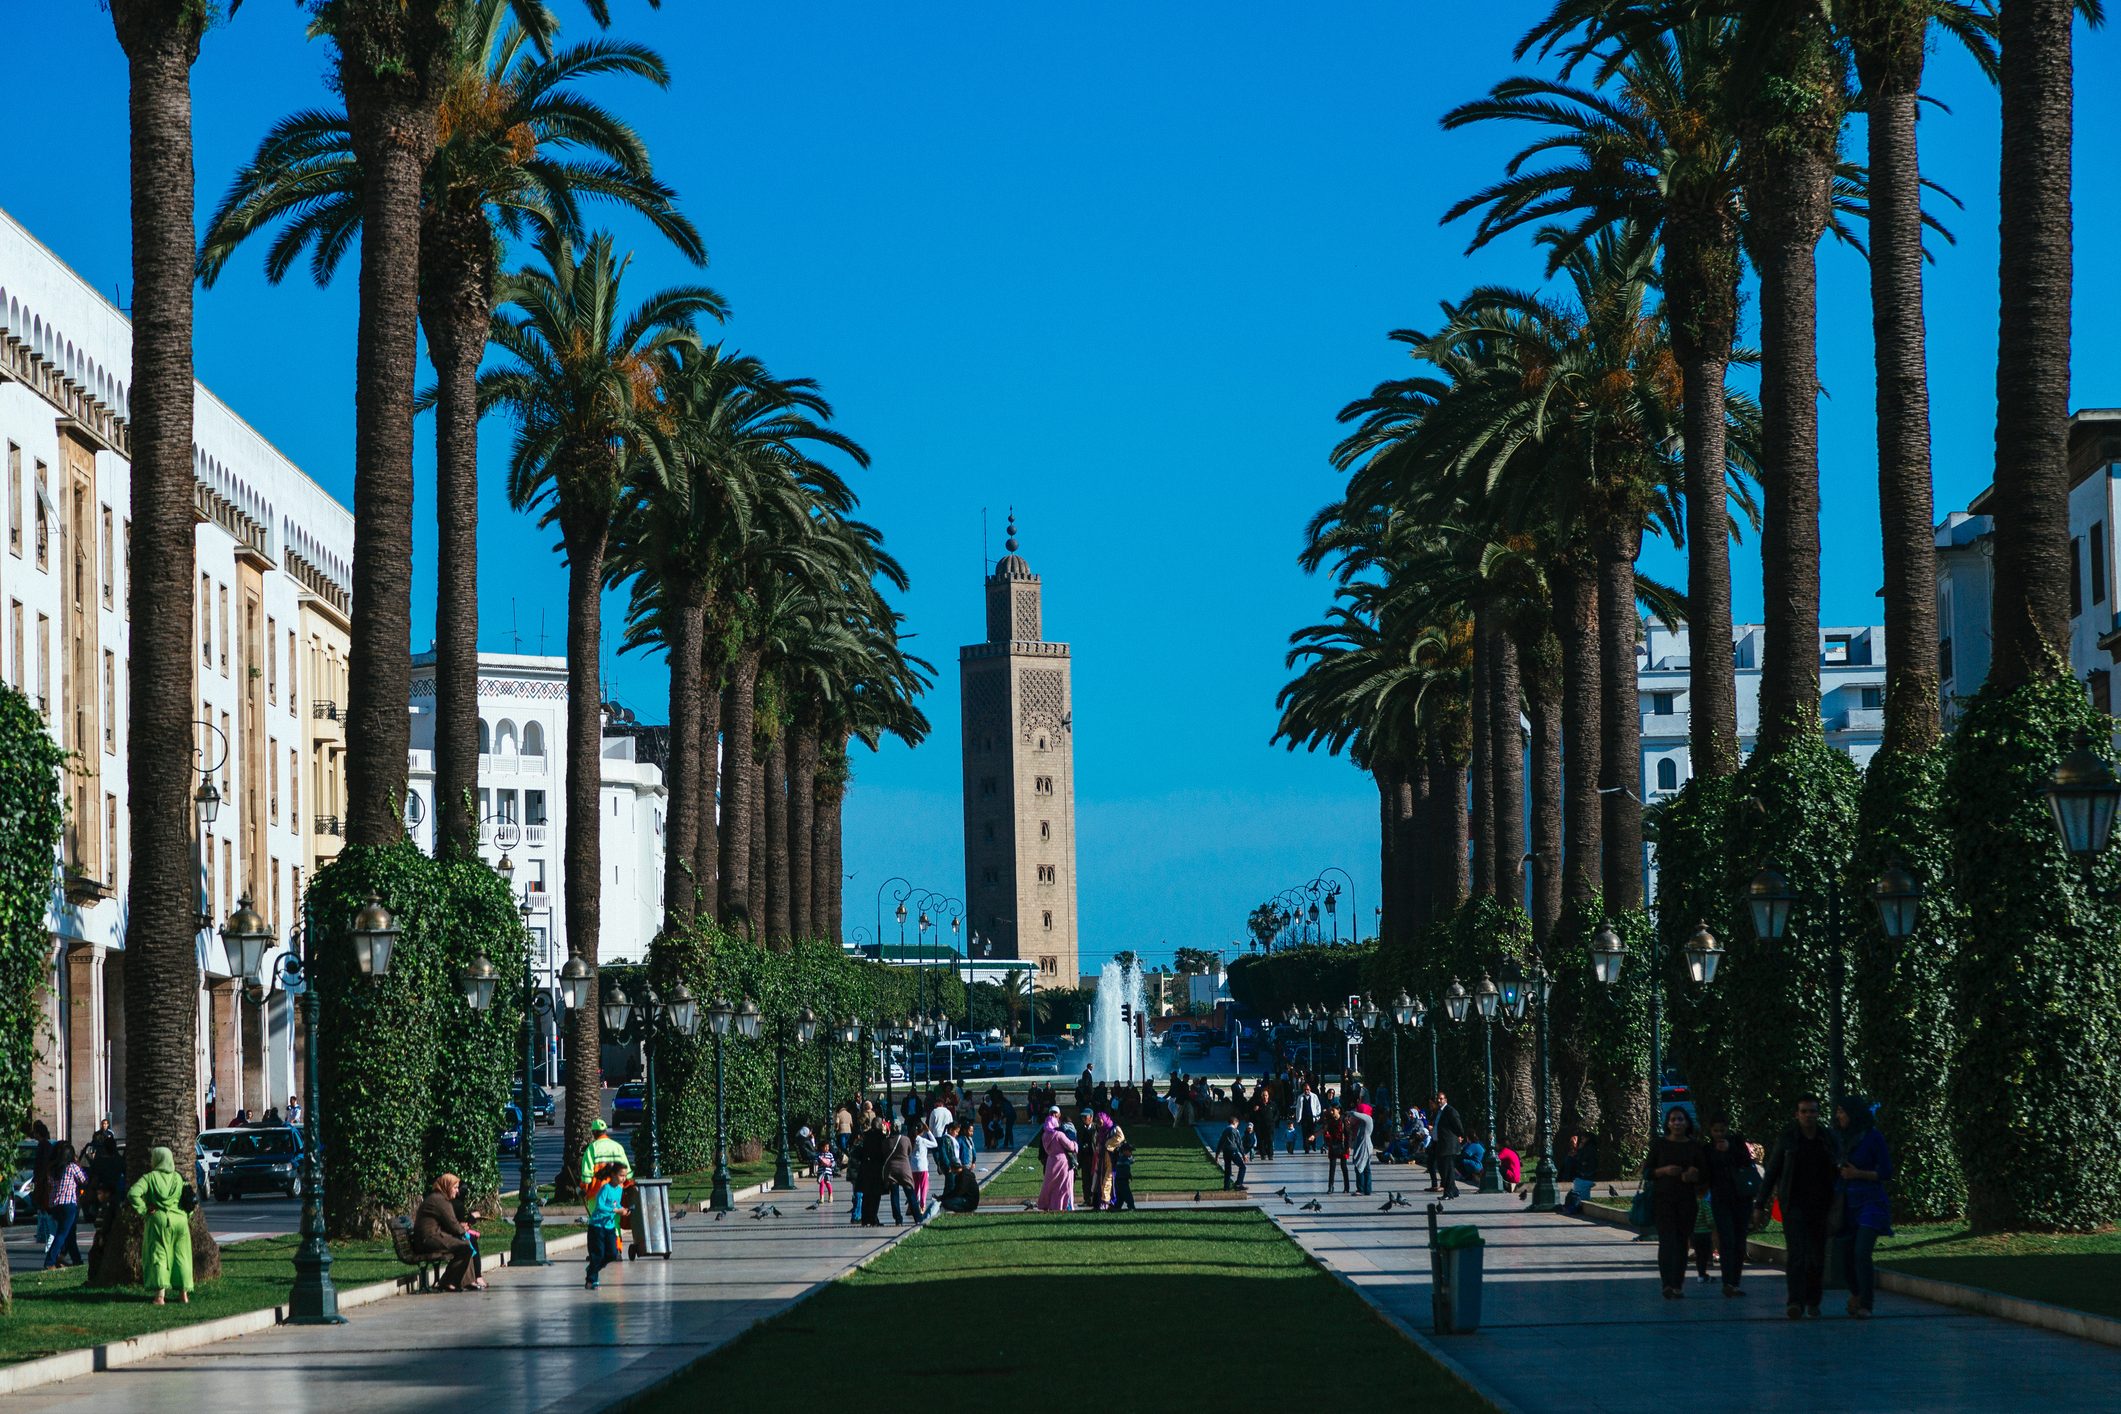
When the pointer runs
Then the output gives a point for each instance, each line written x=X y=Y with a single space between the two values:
x=1573 y=1318
x=536 y=1340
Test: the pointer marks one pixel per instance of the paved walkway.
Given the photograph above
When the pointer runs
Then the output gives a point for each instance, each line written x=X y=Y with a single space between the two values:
x=1573 y=1319
x=535 y=1341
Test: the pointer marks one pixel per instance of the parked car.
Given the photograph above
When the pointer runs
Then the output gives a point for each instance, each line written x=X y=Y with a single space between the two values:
x=511 y=1129
x=207 y=1156
x=15 y=1207
x=629 y=1105
x=542 y=1107
x=259 y=1161
x=1193 y=1043
x=994 y=1060
x=1041 y=1060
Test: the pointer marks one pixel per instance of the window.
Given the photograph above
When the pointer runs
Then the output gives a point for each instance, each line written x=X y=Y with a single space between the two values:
x=537 y=876
x=2076 y=576
x=1837 y=649
x=14 y=615
x=1944 y=660
x=533 y=807
x=272 y=662
x=1873 y=699
x=110 y=561
x=294 y=789
x=1043 y=785
x=128 y=570
x=44 y=514
x=272 y=777
x=228 y=790
x=1048 y=965
x=991 y=876
x=2102 y=686
x=1048 y=916
x=221 y=599
x=14 y=500
x=274 y=916
x=110 y=840
x=206 y=621
x=110 y=703
x=1661 y=704
x=2099 y=562
x=1045 y=829
x=1045 y=873
x=485 y=742
x=507 y=802
x=990 y=829
x=291 y=678
x=44 y=666
x=1667 y=774
x=533 y=740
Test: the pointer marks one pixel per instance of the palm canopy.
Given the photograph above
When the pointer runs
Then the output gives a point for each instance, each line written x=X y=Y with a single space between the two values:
x=518 y=148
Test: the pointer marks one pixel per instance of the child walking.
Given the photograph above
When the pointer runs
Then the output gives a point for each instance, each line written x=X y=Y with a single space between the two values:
x=1123 y=1179
x=605 y=1210
x=827 y=1160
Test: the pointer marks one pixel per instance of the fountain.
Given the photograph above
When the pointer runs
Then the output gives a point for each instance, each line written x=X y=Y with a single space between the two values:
x=1111 y=1041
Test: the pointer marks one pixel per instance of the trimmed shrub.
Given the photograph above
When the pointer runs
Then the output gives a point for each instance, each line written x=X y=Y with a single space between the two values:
x=1607 y=1026
x=2036 y=1089
x=478 y=1055
x=31 y=818
x=1694 y=889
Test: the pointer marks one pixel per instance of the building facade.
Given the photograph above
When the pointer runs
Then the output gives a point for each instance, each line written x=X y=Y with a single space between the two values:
x=272 y=554
x=1019 y=771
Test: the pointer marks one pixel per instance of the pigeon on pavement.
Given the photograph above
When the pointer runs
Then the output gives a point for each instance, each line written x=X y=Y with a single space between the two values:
x=1314 y=1206
x=1611 y=1191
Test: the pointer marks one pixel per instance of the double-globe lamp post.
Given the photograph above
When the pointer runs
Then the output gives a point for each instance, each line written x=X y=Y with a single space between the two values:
x=314 y=1300
x=677 y=1011
x=1520 y=990
x=1609 y=953
x=1488 y=998
x=805 y=1030
x=719 y=1017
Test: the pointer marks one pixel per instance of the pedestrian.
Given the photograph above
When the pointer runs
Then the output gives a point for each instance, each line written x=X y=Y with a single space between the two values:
x=1733 y=1181
x=271 y=1118
x=1575 y=1178
x=438 y=1232
x=1867 y=1210
x=827 y=1160
x=898 y=1176
x=1123 y=1178
x=843 y=1127
x=1448 y=1135
x=105 y=1159
x=1308 y=1112
x=1265 y=1120
x=602 y=1149
x=68 y=1181
x=1007 y=1107
x=165 y=1238
x=1361 y=1153
x=924 y=1164
x=1676 y=1170
x=1511 y=1165
x=1057 y=1193
x=1801 y=1179
x=872 y=1153
x=40 y=1180
x=1334 y=1131
x=1230 y=1148
x=606 y=1209
x=1085 y=1086
x=242 y=1119
x=294 y=1110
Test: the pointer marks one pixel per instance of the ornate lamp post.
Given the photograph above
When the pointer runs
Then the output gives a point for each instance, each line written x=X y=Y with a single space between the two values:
x=1487 y=998
x=313 y=1300
x=805 y=1029
x=719 y=1014
x=2083 y=795
x=1522 y=990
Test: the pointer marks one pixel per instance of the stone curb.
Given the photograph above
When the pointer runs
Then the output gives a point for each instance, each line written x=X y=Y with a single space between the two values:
x=70 y=1364
x=2063 y=1320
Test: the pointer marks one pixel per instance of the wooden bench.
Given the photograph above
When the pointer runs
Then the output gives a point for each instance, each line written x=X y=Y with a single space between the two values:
x=427 y=1265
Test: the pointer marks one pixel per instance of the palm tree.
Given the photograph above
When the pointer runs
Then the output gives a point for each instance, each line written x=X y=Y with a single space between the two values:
x=518 y=149
x=161 y=40
x=395 y=66
x=581 y=381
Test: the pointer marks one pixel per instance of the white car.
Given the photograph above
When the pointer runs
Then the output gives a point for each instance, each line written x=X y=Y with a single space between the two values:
x=208 y=1156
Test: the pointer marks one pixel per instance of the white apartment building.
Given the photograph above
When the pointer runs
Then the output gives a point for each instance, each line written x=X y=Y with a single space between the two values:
x=1966 y=571
x=273 y=553
x=522 y=807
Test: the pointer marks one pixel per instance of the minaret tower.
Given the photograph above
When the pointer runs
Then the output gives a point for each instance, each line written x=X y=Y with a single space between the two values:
x=1020 y=779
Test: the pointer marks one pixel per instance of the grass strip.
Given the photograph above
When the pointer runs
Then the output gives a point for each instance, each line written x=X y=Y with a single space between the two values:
x=1110 y=1278
x=1167 y=1159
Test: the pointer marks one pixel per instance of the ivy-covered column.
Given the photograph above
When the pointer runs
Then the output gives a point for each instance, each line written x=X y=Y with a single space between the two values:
x=30 y=821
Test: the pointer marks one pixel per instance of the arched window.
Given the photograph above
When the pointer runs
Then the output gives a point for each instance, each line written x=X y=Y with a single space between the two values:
x=504 y=738
x=1667 y=774
x=533 y=739
x=485 y=737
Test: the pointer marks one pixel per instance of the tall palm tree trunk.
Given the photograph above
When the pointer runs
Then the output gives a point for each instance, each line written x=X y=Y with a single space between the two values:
x=2031 y=614
x=1620 y=718
x=1454 y=880
x=826 y=878
x=682 y=832
x=739 y=720
x=161 y=41
x=802 y=828
x=707 y=761
x=780 y=910
x=1414 y=853
x=1542 y=696
x=456 y=308
x=393 y=134
x=583 y=863
x=1575 y=612
x=1506 y=767
x=1481 y=808
x=1388 y=782
x=756 y=903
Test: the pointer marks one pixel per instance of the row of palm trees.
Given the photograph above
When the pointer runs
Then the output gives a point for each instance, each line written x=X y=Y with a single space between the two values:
x=1484 y=548
x=659 y=457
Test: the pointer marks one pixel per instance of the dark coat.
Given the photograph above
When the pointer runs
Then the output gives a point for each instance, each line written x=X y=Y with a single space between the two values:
x=898 y=1165
x=435 y=1227
x=1797 y=1164
x=869 y=1157
x=1450 y=1133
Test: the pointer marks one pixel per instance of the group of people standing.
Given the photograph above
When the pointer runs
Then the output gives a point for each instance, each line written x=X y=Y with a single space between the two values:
x=1826 y=1184
x=923 y=1161
x=1091 y=1153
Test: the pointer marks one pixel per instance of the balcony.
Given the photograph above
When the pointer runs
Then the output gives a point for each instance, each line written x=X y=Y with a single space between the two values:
x=1856 y=719
x=538 y=897
x=1663 y=725
x=324 y=709
x=534 y=834
x=329 y=825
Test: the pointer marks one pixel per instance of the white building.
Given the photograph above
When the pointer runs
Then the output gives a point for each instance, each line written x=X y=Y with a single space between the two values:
x=1966 y=571
x=1851 y=697
x=273 y=552
x=522 y=806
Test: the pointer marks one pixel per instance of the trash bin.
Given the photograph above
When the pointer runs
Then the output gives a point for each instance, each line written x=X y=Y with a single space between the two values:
x=1455 y=1261
x=650 y=1227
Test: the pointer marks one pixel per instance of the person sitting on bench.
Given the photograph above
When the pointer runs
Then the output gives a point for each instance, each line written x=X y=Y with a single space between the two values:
x=437 y=1233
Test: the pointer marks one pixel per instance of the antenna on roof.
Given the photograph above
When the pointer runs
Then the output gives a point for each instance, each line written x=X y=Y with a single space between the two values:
x=514 y=633
x=541 y=633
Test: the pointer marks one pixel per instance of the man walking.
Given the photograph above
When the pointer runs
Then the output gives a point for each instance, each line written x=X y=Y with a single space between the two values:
x=1230 y=1148
x=1450 y=1137
x=1800 y=1176
x=602 y=1150
x=1308 y=1111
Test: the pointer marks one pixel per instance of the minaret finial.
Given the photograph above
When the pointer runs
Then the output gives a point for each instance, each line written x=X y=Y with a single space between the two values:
x=1010 y=543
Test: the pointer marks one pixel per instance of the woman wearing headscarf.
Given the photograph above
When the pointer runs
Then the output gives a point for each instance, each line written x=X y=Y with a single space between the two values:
x=1867 y=1210
x=165 y=1242
x=1057 y=1193
x=1109 y=1139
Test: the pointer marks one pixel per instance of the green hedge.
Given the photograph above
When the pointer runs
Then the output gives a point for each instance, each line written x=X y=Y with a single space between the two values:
x=1694 y=889
x=2036 y=1093
x=1315 y=974
x=1901 y=993
x=1473 y=942
x=31 y=818
x=412 y=1085
x=1607 y=1027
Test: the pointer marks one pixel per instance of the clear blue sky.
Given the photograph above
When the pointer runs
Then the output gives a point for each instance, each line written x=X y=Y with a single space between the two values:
x=1116 y=265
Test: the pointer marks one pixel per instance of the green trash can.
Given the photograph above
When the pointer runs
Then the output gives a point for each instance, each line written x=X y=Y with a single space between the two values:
x=1455 y=1262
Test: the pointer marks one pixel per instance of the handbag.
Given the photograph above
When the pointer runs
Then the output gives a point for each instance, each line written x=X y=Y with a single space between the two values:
x=1639 y=1213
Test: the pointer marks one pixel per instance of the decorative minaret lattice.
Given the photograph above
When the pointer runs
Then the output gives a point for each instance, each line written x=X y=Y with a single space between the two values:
x=1020 y=779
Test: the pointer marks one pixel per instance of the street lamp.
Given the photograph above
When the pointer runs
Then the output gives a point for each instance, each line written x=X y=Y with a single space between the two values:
x=2083 y=794
x=313 y=1300
x=1608 y=952
x=805 y=1029
x=1703 y=952
x=1522 y=990
x=719 y=1015
x=1488 y=1000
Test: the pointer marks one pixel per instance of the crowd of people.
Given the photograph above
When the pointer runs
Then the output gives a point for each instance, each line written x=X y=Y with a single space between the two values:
x=921 y=1158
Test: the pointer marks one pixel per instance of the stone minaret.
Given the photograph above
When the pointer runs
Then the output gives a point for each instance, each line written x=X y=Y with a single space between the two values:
x=1020 y=780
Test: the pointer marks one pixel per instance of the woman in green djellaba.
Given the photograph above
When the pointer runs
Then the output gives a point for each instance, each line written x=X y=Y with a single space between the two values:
x=165 y=1245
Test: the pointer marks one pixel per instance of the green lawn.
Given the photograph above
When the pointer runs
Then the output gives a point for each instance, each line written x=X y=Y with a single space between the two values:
x=1166 y=1160
x=57 y=1311
x=2081 y=1270
x=1109 y=1280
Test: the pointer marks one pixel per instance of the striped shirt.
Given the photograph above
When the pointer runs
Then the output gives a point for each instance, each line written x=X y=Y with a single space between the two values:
x=66 y=1188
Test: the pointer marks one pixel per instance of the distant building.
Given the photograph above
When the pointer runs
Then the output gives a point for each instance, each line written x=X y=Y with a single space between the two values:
x=1966 y=572
x=1019 y=759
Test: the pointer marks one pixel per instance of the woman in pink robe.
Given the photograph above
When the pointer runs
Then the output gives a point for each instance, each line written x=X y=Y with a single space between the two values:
x=1057 y=1194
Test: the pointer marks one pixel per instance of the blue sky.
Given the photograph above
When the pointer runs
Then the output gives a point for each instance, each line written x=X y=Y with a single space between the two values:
x=1115 y=265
